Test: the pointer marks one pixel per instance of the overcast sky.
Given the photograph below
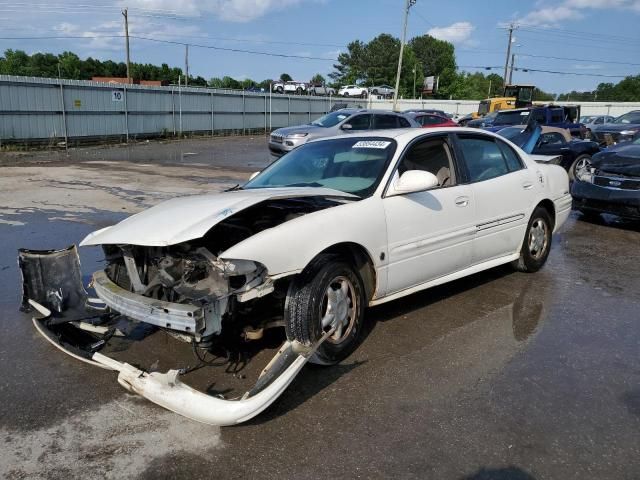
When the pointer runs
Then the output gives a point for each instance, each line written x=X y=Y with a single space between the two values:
x=586 y=32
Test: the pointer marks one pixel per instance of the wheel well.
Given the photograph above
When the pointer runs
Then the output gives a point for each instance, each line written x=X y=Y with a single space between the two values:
x=360 y=258
x=550 y=208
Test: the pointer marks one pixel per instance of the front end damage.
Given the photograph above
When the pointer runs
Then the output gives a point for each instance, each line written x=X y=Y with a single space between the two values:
x=81 y=326
x=185 y=289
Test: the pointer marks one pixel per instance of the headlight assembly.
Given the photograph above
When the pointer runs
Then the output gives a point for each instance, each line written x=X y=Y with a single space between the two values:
x=585 y=174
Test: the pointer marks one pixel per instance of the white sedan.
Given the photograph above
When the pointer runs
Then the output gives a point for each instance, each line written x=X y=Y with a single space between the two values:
x=332 y=227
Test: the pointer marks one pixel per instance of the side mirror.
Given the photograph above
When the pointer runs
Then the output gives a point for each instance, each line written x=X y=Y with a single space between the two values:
x=413 y=181
x=254 y=175
x=346 y=126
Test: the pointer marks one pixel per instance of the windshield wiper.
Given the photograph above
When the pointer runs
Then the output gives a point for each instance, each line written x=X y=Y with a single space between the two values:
x=234 y=188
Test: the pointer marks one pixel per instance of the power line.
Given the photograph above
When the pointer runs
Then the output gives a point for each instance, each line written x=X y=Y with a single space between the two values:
x=526 y=69
x=236 y=50
x=577 y=59
x=588 y=35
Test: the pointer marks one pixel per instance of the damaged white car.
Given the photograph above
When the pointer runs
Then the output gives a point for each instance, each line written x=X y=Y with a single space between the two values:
x=329 y=229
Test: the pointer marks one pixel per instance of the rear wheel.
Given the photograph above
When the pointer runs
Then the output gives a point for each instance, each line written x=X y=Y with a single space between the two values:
x=364 y=94
x=537 y=242
x=327 y=295
x=583 y=161
x=345 y=94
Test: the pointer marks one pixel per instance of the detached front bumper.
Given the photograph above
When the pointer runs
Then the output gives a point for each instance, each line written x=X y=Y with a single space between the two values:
x=79 y=326
x=590 y=197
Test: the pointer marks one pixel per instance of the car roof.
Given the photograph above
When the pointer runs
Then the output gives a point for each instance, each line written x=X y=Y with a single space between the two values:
x=409 y=133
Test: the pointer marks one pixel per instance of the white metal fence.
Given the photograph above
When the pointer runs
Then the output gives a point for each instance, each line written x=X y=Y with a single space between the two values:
x=45 y=109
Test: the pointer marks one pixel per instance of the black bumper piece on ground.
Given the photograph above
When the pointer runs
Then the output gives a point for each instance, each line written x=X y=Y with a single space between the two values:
x=594 y=198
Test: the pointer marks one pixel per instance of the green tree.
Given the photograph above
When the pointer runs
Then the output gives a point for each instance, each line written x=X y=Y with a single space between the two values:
x=70 y=65
x=318 y=79
x=285 y=77
x=350 y=67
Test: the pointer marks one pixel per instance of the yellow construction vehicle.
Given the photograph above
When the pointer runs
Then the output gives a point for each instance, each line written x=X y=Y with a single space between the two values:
x=514 y=96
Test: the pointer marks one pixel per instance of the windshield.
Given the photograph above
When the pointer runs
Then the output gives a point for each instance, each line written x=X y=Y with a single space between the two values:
x=631 y=117
x=512 y=118
x=331 y=119
x=352 y=165
x=484 y=107
x=517 y=135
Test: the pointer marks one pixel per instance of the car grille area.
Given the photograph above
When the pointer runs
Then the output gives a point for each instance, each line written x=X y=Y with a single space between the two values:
x=622 y=183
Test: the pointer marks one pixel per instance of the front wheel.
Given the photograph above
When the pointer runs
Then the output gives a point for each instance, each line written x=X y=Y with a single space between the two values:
x=583 y=161
x=537 y=242
x=345 y=94
x=327 y=295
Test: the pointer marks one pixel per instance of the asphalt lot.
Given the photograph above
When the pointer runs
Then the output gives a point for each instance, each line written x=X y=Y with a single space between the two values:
x=501 y=375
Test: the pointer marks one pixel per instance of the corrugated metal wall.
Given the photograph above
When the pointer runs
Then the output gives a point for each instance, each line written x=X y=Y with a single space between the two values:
x=46 y=109
x=40 y=109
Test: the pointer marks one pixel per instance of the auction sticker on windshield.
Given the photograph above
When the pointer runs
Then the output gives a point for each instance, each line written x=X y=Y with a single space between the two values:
x=381 y=144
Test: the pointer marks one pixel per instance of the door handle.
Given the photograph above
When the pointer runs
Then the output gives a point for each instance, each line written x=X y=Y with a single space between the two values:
x=462 y=201
x=527 y=185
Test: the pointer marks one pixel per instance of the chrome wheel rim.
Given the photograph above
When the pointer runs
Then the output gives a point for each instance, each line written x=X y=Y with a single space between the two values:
x=538 y=238
x=581 y=164
x=339 y=308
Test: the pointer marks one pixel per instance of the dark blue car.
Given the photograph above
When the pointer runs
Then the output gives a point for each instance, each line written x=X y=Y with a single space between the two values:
x=612 y=183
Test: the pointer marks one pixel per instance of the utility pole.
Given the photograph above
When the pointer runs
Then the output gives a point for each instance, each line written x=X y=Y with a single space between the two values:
x=186 y=65
x=513 y=61
x=415 y=69
x=512 y=27
x=489 y=93
x=409 y=4
x=125 y=14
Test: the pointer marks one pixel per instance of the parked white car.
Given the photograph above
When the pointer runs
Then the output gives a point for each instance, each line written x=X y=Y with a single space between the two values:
x=292 y=87
x=335 y=226
x=353 y=91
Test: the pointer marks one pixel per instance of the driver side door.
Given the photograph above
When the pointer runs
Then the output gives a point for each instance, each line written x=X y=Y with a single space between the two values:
x=430 y=233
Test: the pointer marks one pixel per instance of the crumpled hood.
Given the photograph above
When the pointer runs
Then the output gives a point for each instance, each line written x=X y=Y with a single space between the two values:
x=624 y=160
x=181 y=219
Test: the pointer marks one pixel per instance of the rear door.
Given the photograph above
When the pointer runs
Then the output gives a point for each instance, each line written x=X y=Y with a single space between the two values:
x=383 y=121
x=504 y=191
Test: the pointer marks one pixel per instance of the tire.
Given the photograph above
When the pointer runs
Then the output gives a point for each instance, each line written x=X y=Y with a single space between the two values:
x=345 y=94
x=537 y=242
x=309 y=302
x=374 y=91
x=364 y=94
x=582 y=160
x=279 y=90
x=299 y=91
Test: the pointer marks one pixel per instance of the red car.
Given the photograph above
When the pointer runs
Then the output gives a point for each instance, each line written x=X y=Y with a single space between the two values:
x=430 y=120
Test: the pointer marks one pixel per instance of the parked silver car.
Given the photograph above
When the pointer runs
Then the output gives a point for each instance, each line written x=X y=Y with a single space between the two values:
x=385 y=90
x=340 y=122
x=591 y=121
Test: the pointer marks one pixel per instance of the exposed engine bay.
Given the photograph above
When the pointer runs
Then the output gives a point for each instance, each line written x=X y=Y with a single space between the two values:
x=191 y=273
x=185 y=290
